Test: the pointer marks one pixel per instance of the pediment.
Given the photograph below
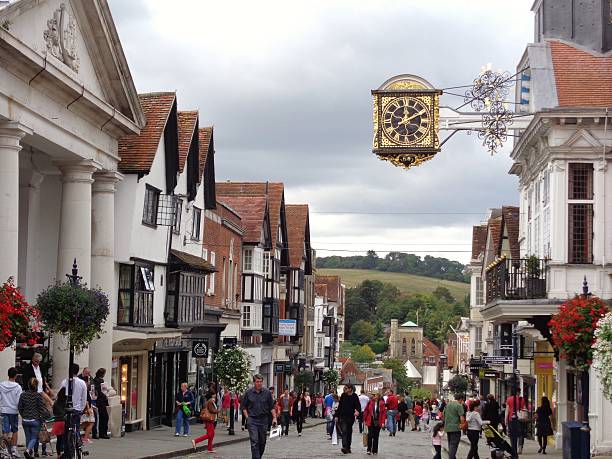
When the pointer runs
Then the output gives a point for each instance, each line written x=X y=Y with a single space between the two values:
x=80 y=37
x=582 y=138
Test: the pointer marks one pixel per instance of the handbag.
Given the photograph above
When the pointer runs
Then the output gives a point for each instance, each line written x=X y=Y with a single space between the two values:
x=523 y=415
x=463 y=425
x=186 y=410
x=365 y=436
x=58 y=428
x=206 y=416
x=43 y=435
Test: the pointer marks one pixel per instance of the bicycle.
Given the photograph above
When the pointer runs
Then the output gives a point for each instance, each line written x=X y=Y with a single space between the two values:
x=6 y=449
x=73 y=445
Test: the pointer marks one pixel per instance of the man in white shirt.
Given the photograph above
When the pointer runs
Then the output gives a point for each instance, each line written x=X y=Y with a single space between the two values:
x=363 y=401
x=79 y=391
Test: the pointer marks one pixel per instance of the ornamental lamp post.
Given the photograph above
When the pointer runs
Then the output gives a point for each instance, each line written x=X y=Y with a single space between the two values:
x=585 y=430
x=75 y=280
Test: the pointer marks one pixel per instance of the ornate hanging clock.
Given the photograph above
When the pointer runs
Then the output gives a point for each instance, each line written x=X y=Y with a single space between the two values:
x=406 y=112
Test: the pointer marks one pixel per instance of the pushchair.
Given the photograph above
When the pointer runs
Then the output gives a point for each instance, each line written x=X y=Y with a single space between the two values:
x=500 y=448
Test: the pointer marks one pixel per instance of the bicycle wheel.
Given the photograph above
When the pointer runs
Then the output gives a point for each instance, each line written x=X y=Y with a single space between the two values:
x=5 y=449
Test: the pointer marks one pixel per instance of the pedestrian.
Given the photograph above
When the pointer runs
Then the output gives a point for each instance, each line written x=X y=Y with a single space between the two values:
x=101 y=391
x=543 y=424
x=510 y=407
x=283 y=407
x=453 y=420
x=392 y=405
x=209 y=417
x=410 y=405
x=225 y=406
x=425 y=417
x=10 y=391
x=299 y=411
x=79 y=397
x=184 y=404
x=502 y=419
x=474 y=422
x=87 y=422
x=348 y=409
x=319 y=407
x=434 y=410
x=330 y=414
x=308 y=400
x=258 y=408
x=374 y=415
x=34 y=370
x=402 y=408
x=58 y=428
x=33 y=412
x=363 y=401
x=418 y=412
x=436 y=439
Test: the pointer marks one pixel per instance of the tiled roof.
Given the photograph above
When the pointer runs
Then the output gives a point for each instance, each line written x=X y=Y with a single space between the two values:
x=511 y=215
x=430 y=349
x=321 y=290
x=479 y=240
x=297 y=219
x=333 y=286
x=138 y=151
x=495 y=224
x=583 y=79
x=252 y=212
x=206 y=135
x=276 y=192
x=186 y=125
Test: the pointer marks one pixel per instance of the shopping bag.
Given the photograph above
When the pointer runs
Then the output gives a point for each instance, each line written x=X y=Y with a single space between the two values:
x=365 y=439
x=275 y=432
x=334 y=436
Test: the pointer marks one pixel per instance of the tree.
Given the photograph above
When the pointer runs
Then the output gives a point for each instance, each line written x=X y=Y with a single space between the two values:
x=356 y=308
x=398 y=371
x=303 y=381
x=362 y=332
x=363 y=354
x=369 y=290
x=232 y=366
x=420 y=393
x=379 y=346
x=331 y=378
x=442 y=293
x=458 y=384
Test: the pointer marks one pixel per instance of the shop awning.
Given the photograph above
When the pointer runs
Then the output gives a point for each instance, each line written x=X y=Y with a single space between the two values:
x=127 y=333
x=192 y=261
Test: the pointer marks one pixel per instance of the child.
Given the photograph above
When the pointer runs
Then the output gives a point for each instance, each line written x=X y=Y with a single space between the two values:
x=436 y=439
x=425 y=417
x=418 y=412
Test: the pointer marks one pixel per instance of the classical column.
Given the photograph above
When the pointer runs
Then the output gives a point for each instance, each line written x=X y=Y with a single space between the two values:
x=103 y=262
x=74 y=242
x=10 y=137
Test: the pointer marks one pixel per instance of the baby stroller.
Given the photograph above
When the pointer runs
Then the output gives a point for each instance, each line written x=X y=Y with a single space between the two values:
x=500 y=448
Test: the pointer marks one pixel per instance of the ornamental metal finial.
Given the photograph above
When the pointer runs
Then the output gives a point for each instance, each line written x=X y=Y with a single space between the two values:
x=585 y=287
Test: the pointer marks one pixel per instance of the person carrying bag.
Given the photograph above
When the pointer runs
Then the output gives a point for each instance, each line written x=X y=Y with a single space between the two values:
x=208 y=415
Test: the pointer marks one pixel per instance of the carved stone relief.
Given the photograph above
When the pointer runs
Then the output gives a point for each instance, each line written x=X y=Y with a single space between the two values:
x=60 y=37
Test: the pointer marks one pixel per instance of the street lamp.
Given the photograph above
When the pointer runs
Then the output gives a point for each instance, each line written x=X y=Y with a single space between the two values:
x=75 y=281
x=585 y=429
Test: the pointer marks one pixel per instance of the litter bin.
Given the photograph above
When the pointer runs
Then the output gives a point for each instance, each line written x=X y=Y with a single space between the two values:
x=571 y=440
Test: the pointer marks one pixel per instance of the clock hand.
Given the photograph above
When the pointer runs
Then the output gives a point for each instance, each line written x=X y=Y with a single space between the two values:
x=414 y=116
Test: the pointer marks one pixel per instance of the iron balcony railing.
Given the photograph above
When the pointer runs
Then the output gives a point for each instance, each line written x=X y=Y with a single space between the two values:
x=516 y=279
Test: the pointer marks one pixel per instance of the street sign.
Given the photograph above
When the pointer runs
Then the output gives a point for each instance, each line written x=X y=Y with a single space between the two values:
x=498 y=359
x=287 y=327
x=199 y=349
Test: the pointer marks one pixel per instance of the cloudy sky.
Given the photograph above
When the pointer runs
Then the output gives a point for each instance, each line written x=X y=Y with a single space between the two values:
x=287 y=86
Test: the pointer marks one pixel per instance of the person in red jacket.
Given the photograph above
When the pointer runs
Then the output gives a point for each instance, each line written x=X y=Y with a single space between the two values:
x=374 y=417
x=392 y=407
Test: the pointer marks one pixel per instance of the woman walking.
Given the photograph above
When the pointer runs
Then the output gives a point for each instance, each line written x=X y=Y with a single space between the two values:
x=436 y=439
x=402 y=408
x=33 y=412
x=375 y=416
x=474 y=422
x=209 y=416
x=299 y=412
x=544 y=424
x=184 y=404
x=59 y=413
x=319 y=406
x=100 y=389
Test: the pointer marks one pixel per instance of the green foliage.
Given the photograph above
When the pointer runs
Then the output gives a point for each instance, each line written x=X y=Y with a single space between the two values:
x=379 y=346
x=458 y=384
x=420 y=393
x=74 y=311
x=398 y=371
x=356 y=308
x=232 y=365
x=362 y=332
x=304 y=380
x=363 y=354
x=444 y=294
x=347 y=348
x=331 y=378
x=440 y=268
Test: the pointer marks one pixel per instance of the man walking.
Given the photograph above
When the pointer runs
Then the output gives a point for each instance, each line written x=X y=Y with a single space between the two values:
x=284 y=403
x=392 y=407
x=454 y=416
x=363 y=401
x=348 y=409
x=10 y=391
x=257 y=408
x=33 y=370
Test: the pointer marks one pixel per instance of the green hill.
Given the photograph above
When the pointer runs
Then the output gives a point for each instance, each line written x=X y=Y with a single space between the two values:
x=407 y=283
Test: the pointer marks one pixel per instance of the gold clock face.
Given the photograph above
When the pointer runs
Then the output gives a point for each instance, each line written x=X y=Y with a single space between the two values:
x=406 y=120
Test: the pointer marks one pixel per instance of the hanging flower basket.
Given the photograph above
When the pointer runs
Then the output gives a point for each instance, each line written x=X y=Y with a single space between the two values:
x=573 y=327
x=232 y=366
x=602 y=354
x=331 y=378
x=74 y=311
x=18 y=319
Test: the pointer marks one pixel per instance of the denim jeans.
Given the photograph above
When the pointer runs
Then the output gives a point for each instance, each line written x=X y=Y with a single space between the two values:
x=182 y=421
x=453 y=443
x=258 y=430
x=391 y=422
x=31 y=428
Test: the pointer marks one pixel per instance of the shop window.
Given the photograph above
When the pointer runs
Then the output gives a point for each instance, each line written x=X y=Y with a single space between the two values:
x=151 y=203
x=127 y=378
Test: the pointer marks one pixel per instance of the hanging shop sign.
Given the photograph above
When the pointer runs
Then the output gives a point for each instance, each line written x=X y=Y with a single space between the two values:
x=199 y=349
x=287 y=327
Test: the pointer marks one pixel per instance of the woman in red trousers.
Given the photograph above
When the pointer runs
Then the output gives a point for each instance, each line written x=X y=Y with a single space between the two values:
x=209 y=424
x=375 y=417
